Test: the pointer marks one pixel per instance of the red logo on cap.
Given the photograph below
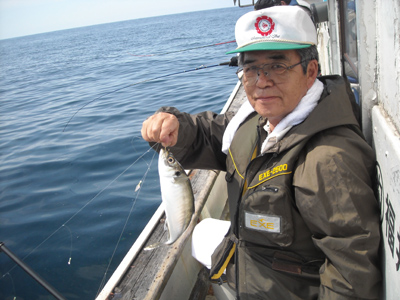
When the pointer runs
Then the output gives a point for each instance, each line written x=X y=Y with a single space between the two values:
x=264 y=25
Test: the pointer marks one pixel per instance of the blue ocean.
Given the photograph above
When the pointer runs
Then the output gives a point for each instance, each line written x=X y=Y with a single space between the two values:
x=71 y=154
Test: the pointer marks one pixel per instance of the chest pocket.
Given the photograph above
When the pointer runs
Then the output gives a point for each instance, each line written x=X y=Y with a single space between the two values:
x=266 y=216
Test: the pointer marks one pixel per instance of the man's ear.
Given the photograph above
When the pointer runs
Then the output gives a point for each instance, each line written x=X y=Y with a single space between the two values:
x=312 y=72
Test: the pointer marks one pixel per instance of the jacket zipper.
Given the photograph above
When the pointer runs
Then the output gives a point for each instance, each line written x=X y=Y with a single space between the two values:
x=273 y=189
x=256 y=144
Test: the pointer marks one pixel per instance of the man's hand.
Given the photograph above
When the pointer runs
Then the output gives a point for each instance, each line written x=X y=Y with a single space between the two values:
x=161 y=128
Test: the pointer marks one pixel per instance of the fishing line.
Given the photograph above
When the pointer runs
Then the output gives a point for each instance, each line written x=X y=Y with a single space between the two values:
x=83 y=207
x=12 y=284
x=70 y=247
x=144 y=81
x=182 y=50
x=126 y=222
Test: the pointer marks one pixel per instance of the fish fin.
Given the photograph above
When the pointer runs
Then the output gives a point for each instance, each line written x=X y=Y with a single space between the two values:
x=169 y=242
x=166 y=226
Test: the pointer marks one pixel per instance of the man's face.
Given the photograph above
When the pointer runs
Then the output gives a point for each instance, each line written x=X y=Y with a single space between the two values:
x=276 y=96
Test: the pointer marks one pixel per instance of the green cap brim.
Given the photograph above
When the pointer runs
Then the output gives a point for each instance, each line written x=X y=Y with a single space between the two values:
x=270 y=46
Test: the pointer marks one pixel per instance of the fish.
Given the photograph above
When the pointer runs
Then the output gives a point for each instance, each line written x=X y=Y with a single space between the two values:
x=177 y=196
x=139 y=185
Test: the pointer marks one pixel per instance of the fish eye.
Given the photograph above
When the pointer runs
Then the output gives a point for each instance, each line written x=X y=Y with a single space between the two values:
x=171 y=160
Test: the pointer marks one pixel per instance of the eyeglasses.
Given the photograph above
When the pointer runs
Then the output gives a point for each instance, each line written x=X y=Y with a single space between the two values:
x=274 y=70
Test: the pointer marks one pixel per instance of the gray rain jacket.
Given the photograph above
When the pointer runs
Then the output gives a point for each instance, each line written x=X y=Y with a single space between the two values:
x=305 y=221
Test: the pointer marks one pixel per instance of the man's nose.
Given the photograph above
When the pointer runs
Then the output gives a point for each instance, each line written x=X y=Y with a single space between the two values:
x=264 y=79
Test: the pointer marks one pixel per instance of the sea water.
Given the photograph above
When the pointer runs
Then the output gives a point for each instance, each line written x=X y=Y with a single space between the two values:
x=70 y=145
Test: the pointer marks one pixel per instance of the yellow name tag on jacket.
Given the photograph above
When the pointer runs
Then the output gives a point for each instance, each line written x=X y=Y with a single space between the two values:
x=262 y=222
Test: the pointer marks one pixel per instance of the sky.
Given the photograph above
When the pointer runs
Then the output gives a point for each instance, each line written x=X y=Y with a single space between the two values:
x=26 y=17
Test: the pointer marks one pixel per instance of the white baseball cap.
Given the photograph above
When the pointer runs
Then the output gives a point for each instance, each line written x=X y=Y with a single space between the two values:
x=275 y=28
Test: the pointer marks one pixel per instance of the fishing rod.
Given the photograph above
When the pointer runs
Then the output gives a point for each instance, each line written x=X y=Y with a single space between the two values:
x=229 y=63
x=182 y=50
x=31 y=272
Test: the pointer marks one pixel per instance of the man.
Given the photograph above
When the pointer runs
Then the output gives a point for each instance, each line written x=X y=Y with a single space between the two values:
x=304 y=219
x=260 y=4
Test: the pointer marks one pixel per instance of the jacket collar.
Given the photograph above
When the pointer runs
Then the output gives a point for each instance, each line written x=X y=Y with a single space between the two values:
x=334 y=109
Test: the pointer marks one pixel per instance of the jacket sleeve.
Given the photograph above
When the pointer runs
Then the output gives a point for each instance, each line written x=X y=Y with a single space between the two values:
x=333 y=194
x=200 y=139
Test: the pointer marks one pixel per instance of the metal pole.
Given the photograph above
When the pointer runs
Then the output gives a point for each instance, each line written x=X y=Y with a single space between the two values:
x=31 y=273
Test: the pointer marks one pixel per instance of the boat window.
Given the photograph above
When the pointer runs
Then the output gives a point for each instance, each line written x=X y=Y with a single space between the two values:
x=245 y=3
x=349 y=39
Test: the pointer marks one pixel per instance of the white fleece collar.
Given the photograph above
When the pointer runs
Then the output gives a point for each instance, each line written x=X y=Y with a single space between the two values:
x=298 y=115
